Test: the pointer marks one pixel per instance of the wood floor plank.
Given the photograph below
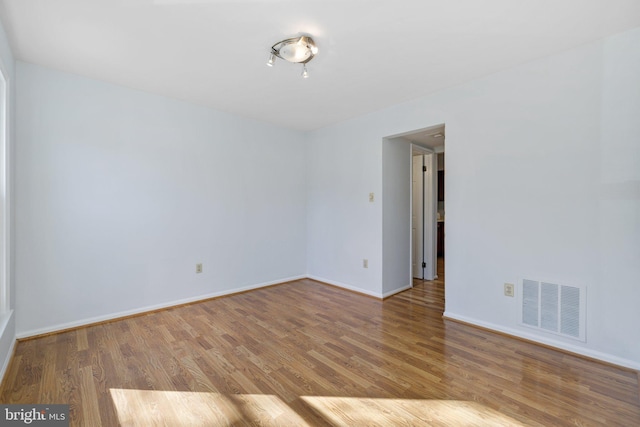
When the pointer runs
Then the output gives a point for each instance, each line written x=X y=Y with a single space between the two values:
x=305 y=353
x=90 y=413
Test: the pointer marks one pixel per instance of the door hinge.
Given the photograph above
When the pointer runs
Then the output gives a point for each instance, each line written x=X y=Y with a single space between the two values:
x=424 y=169
x=424 y=265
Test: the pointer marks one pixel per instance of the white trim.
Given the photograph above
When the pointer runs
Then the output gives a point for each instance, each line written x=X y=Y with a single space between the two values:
x=604 y=357
x=6 y=318
x=345 y=286
x=114 y=316
x=411 y=132
x=397 y=291
x=5 y=182
x=7 y=360
x=121 y=314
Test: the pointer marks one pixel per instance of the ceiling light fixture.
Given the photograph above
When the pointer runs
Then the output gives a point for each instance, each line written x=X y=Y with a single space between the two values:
x=299 y=50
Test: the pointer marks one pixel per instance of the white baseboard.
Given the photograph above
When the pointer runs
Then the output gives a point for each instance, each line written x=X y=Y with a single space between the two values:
x=345 y=286
x=605 y=357
x=120 y=314
x=593 y=354
x=7 y=360
x=396 y=291
x=360 y=290
x=7 y=317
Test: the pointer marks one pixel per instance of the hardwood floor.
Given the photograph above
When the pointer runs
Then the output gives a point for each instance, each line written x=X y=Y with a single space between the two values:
x=304 y=353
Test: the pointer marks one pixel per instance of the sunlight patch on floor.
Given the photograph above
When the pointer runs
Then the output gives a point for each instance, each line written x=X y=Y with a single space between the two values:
x=183 y=408
x=153 y=407
x=353 y=411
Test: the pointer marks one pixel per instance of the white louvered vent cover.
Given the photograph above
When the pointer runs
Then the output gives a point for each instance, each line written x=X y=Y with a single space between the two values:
x=559 y=309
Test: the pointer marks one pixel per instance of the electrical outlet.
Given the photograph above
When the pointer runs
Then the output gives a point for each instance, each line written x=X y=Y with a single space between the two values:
x=365 y=263
x=509 y=289
x=199 y=268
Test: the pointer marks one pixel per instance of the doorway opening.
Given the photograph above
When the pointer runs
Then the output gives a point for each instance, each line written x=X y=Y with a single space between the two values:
x=427 y=203
x=410 y=212
x=422 y=214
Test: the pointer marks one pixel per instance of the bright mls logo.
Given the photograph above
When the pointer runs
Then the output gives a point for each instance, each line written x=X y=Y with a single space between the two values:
x=36 y=415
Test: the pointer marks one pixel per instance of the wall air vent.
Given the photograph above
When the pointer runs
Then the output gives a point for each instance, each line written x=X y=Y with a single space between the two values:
x=559 y=309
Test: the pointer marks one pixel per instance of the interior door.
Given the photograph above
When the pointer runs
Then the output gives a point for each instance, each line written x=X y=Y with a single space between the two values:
x=417 y=216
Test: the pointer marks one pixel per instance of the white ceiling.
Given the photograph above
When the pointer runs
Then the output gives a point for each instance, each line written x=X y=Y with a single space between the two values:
x=372 y=53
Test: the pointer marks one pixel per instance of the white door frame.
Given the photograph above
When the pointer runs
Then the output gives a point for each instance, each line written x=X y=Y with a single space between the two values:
x=430 y=217
x=423 y=239
x=417 y=215
x=5 y=185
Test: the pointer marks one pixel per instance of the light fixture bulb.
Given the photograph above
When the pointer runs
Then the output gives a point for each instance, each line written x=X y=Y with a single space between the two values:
x=300 y=50
x=272 y=60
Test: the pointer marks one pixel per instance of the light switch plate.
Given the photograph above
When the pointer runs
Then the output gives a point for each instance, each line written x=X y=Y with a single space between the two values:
x=509 y=289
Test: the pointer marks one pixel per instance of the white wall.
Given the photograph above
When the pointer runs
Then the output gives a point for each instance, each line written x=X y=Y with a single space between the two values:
x=396 y=216
x=7 y=314
x=344 y=166
x=120 y=193
x=617 y=196
x=543 y=181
